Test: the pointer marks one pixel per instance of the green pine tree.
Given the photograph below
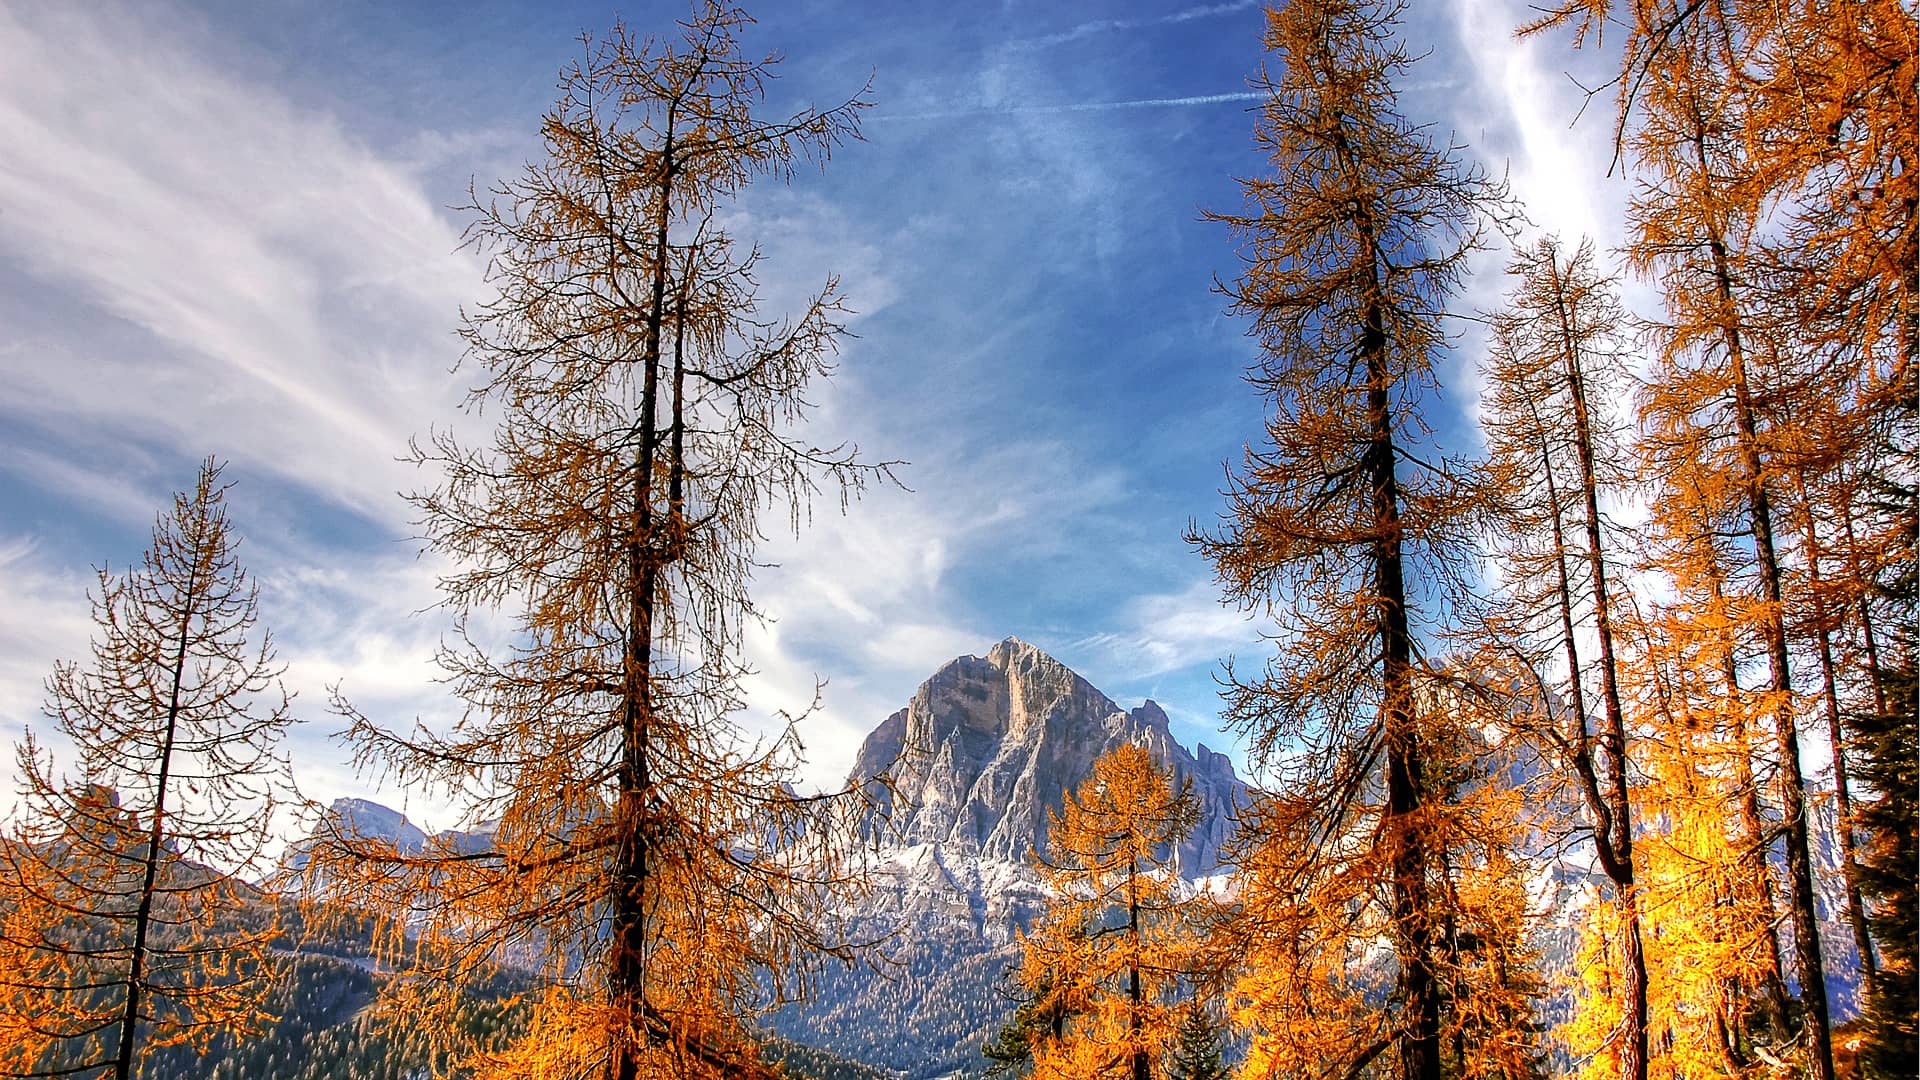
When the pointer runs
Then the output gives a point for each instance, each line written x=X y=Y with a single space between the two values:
x=1039 y=1016
x=1195 y=1054
x=1889 y=743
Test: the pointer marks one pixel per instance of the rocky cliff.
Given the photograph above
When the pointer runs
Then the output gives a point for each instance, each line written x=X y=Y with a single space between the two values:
x=989 y=744
x=980 y=756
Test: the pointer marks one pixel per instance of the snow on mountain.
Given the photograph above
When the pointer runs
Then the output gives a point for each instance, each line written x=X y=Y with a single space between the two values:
x=985 y=750
x=365 y=820
x=976 y=760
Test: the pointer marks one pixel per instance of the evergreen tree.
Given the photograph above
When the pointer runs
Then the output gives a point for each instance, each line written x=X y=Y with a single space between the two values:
x=1040 y=1016
x=1887 y=739
x=1889 y=746
x=1195 y=1054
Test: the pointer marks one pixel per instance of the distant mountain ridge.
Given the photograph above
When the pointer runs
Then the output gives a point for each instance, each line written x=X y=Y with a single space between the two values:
x=983 y=752
x=978 y=756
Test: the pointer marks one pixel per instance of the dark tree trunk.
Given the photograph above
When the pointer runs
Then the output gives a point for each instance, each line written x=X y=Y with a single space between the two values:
x=627 y=979
x=123 y=1062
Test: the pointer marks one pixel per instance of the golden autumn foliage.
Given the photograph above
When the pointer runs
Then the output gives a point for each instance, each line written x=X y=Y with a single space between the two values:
x=630 y=846
x=134 y=923
x=1116 y=935
x=1312 y=931
x=1342 y=516
x=1774 y=151
x=23 y=1040
x=1715 y=1000
x=1556 y=454
x=632 y=869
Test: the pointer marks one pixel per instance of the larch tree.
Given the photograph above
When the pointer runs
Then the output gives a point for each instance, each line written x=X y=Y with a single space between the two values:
x=1829 y=103
x=1717 y=397
x=1830 y=106
x=1776 y=151
x=24 y=924
x=1109 y=949
x=1313 y=911
x=1699 y=654
x=1819 y=604
x=1557 y=358
x=1341 y=519
x=141 y=924
x=1715 y=998
x=642 y=853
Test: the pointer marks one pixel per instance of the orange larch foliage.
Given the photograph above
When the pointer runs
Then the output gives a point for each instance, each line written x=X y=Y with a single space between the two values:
x=1116 y=935
x=627 y=844
x=1775 y=150
x=1339 y=518
x=140 y=923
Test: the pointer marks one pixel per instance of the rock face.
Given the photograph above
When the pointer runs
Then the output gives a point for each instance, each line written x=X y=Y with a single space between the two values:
x=372 y=821
x=988 y=745
x=984 y=751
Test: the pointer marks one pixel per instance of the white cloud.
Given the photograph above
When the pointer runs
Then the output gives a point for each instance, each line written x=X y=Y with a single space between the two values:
x=291 y=291
x=1557 y=159
x=291 y=294
x=1165 y=632
x=44 y=617
x=298 y=289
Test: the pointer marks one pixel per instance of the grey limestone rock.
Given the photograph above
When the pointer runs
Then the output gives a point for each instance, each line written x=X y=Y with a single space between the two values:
x=989 y=745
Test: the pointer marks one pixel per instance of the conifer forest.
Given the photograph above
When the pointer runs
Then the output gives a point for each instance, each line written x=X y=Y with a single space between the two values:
x=1571 y=727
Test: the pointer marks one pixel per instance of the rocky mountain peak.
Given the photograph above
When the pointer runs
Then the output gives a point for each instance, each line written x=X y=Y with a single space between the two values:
x=989 y=745
x=370 y=820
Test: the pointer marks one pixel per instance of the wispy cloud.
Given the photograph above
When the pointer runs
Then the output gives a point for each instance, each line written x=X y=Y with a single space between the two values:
x=1078 y=106
x=292 y=281
x=47 y=620
x=1166 y=632
x=218 y=270
x=1525 y=116
x=213 y=266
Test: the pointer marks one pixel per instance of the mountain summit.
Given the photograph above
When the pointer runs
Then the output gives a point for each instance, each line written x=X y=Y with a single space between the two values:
x=984 y=750
x=988 y=745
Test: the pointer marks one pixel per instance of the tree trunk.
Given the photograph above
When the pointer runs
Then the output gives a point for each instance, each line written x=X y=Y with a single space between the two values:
x=628 y=977
x=1420 y=1047
x=1140 y=1070
x=1842 y=797
x=1793 y=794
x=1773 y=992
x=123 y=1061
x=1619 y=819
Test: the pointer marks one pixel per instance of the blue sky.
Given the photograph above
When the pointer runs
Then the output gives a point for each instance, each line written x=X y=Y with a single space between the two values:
x=225 y=228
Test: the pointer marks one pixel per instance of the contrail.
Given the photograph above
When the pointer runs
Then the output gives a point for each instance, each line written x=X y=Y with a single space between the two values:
x=1137 y=103
x=1080 y=106
x=1099 y=26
